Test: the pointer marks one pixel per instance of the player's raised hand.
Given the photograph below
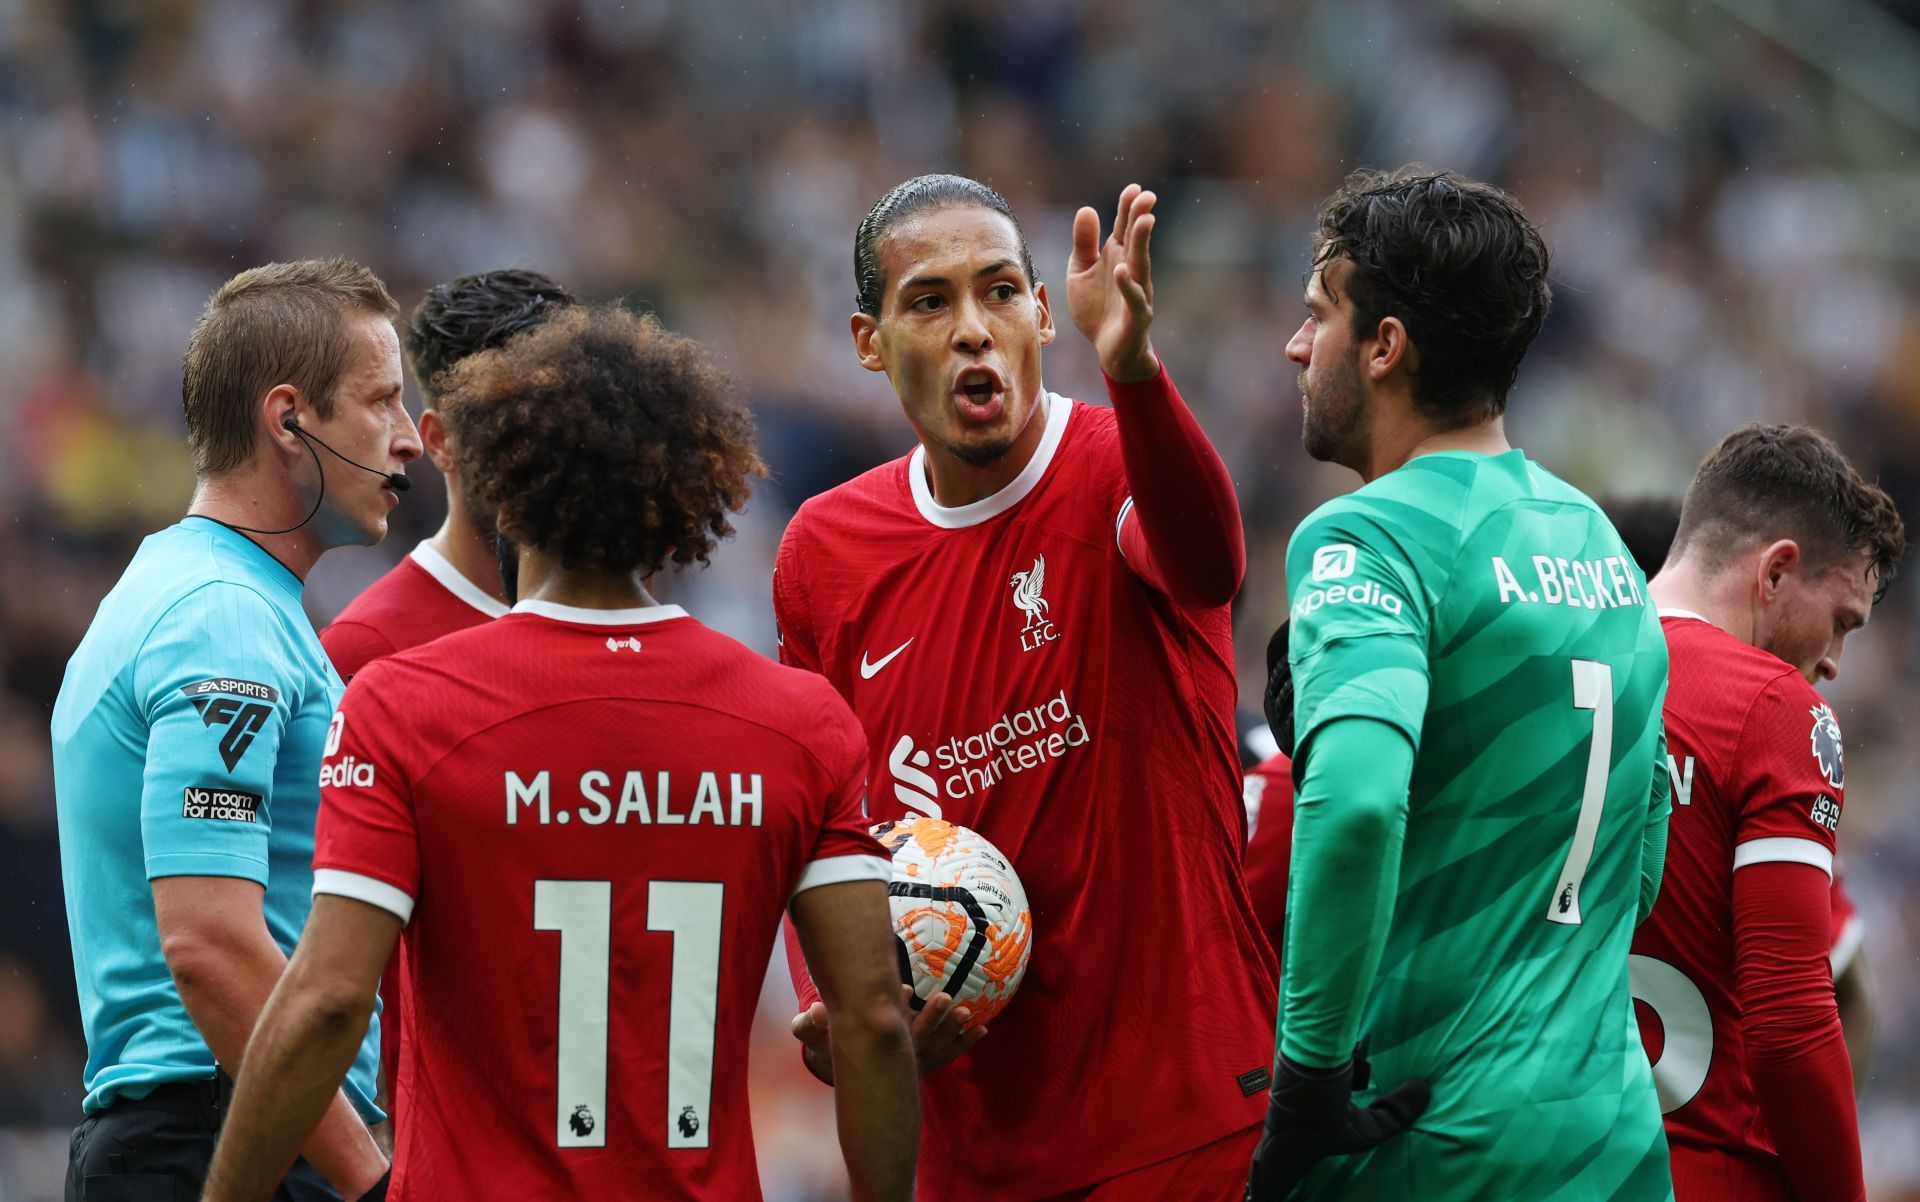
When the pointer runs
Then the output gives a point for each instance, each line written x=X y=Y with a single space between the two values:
x=1110 y=286
x=940 y=1036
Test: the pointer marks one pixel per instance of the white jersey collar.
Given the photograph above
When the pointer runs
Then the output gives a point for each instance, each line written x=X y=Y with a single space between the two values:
x=441 y=568
x=641 y=616
x=1671 y=612
x=1059 y=410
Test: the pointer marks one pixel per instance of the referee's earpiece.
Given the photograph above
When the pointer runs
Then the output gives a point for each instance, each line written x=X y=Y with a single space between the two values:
x=290 y=422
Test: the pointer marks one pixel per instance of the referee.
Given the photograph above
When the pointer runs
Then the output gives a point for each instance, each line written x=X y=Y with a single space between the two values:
x=189 y=730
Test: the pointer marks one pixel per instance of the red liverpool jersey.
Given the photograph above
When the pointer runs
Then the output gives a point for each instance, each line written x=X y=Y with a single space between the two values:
x=592 y=821
x=1754 y=757
x=1268 y=793
x=1014 y=675
x=421 y=598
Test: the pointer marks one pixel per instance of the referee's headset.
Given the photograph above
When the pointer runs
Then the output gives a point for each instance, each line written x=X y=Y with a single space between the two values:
x=397 y=480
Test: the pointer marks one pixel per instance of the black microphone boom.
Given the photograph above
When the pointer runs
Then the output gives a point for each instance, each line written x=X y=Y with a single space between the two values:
x=398 y=480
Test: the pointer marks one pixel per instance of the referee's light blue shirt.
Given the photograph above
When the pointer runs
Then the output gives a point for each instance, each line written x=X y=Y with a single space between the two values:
x=186 y=742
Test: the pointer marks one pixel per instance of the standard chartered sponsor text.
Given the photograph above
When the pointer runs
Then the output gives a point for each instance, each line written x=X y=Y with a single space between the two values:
x=1015 y=742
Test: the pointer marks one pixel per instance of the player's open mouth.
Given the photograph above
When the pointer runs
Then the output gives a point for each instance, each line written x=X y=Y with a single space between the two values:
x=979 y=394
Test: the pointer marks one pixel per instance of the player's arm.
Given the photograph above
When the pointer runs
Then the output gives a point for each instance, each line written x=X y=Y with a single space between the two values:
x=226 y=965
x=1782 y=923
x=1360 y=676
x=940 y=1032
x=847 y=935
x=307 y=1037
x=215 y=709
x=1796 y=1053
x=1181 y=530
x=1653 y=841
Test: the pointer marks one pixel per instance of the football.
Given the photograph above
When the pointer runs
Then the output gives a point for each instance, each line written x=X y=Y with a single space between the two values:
x=960 y=913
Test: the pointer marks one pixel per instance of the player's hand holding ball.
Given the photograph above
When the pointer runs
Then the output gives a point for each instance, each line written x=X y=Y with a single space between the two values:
x=965 y=933
x=940 y=1035
x=1110 y=287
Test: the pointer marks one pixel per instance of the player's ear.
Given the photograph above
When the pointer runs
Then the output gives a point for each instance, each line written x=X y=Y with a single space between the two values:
x=1044 y=314
x=1390 y=349
x=866 y=342
x=1778 y=560
x=433 y=437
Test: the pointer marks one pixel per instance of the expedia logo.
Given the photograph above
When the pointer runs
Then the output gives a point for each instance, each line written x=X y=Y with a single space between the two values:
x=347 y=774
x=1365 y=593
x=1334 y=562
x=224 y=805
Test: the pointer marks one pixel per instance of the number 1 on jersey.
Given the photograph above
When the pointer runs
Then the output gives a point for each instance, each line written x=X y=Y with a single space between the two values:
x=1592 y=690
x=582 y=912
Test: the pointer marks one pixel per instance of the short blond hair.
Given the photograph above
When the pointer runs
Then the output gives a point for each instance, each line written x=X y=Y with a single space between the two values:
x=282 y=323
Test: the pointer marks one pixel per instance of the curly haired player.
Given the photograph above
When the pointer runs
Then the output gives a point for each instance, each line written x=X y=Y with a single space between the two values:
x=592 y=813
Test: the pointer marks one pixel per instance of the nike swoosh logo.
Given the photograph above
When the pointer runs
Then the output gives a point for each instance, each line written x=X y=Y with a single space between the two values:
x=867 y=670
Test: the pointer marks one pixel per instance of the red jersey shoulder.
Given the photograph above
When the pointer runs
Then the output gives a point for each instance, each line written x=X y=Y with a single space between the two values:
x=877 y=494
x=1777 y=743
x=404 y=608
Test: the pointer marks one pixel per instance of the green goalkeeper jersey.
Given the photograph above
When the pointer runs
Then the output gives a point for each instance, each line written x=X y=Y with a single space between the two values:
x=1489 y=612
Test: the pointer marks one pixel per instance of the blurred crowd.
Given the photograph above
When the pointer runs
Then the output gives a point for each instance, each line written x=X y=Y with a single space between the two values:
x=1732 y=218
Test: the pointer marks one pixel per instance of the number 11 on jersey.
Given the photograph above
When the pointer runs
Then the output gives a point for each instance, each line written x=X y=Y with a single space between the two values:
x=1592 y=690
x=582 y=912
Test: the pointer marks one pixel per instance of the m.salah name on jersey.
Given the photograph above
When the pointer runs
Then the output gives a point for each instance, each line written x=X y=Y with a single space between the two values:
x=632 y=795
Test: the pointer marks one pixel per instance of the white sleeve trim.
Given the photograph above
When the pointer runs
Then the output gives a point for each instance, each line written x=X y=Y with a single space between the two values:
x=1119 y=524
x=1846 y=945
x=836 y=870
x=1784 y=851
x=341 y=883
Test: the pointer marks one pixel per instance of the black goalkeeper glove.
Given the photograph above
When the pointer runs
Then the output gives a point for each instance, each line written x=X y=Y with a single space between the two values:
x=1311 y=1116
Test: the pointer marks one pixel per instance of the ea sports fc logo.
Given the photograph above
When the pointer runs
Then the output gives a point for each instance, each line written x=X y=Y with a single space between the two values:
x=1827 y=751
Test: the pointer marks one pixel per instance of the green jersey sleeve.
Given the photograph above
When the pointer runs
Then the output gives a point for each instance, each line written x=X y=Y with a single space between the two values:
x=1361 y=621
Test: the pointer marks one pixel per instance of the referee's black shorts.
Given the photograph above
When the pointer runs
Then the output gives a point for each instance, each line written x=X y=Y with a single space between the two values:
x=159 y=1148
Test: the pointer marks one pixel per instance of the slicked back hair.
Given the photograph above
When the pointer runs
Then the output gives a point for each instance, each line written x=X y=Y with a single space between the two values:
x=475 y=313
x=1765 y=483
x=282 y=323
x=1459 y=263
x=921 y=194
